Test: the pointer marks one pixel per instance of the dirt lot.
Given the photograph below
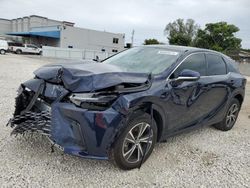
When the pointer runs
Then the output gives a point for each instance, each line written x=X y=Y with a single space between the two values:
x=204 y=157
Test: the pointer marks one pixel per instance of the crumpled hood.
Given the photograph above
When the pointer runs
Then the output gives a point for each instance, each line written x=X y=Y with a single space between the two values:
x=85 y=77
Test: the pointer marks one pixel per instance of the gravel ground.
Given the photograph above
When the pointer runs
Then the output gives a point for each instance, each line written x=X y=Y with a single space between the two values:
x=202 y=158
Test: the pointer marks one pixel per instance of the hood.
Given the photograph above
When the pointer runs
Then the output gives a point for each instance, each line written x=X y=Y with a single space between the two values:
x=85 y=77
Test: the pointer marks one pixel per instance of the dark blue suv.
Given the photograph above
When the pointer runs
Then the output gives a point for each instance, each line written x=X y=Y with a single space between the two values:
x=119 y=108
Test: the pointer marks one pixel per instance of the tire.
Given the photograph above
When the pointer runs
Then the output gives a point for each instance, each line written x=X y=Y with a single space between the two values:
x=128 y=160
x=231 y=116
x=2 y=52
x=40 y=53
x=19 y=51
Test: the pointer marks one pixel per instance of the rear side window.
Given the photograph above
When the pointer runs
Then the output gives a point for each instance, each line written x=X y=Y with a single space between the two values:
x=31 y=46
x=232 y=66
x=216 y=65
x=195 y=62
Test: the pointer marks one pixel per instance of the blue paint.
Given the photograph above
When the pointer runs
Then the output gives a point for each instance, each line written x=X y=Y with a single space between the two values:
x=49 y=34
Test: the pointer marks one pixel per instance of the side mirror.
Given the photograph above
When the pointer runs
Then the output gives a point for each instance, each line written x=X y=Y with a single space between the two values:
x=186 y=75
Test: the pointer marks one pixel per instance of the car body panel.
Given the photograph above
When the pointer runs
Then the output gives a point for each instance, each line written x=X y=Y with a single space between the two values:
x=4 y=45
x=79 y=77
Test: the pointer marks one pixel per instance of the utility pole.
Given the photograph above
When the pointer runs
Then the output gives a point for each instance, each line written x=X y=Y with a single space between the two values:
x=132 y=38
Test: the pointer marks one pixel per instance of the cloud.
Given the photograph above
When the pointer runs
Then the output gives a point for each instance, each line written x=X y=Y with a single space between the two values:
x=147 y=17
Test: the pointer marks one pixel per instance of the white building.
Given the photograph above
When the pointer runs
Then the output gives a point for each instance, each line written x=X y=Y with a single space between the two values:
x=47 y=32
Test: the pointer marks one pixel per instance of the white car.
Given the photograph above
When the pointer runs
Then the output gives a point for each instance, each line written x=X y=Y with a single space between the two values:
x=26 y=48
x=3 y=46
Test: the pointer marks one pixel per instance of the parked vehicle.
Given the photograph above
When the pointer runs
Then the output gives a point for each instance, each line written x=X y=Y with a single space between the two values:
x=25 y=48
x=12 y=44
x=119 y=108
x=3 y=46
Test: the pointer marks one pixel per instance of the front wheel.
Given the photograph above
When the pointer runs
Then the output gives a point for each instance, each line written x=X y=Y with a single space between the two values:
x=18 y=51
x=2 y=52
x=231 y=116
x=136 y=142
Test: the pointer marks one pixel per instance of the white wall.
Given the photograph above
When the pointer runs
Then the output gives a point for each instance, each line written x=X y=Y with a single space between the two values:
x=5 y=26
x=19 y=25
x=14 y=25
x=90 y=39
x=37 y=21
x=70 y=53
x=26 y=24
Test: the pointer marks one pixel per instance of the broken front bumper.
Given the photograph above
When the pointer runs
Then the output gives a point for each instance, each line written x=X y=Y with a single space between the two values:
x=75 y=130
x=31 y=122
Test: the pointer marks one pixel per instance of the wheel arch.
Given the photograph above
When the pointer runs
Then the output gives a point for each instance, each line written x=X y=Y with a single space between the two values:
x=18 y=50
x=239 y=97
x=158 y=115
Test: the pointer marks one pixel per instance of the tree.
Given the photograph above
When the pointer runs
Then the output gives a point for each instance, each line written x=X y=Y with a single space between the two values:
x=151 y=41
x=180 y=33
x=218 y=36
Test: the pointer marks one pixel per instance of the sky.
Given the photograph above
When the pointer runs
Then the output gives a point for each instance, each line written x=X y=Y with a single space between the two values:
x=147 y=18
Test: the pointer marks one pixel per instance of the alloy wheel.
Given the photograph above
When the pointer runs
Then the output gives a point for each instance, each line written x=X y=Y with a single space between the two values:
x=232 y=115
x=137 y=142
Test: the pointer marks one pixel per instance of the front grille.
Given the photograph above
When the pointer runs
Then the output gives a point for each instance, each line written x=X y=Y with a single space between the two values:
x=31 y=122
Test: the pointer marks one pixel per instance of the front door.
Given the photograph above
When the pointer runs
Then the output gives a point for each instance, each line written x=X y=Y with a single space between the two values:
x=186 y=104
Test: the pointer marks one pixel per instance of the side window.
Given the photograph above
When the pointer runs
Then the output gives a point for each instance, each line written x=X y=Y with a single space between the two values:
x=216 y=65
x=194 y=62
x=30 y=46
x=115 y=40
x=232 y=65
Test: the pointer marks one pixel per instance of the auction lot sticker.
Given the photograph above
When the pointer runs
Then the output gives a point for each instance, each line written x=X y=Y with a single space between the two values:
x=168 y=52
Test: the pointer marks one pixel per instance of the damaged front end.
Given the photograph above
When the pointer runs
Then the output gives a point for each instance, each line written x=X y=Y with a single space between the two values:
x=33 y=108
x=32 y=114
x=31 y=122
x=79 y=123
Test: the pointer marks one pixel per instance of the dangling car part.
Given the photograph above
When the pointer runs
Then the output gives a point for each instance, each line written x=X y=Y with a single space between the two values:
x=119 y=108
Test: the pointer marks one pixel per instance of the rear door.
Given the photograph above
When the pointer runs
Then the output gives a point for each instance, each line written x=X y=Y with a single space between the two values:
x=31 y=48
x=217 y=83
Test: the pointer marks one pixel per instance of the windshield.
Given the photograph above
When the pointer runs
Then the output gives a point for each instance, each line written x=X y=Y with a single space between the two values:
x=144 y=59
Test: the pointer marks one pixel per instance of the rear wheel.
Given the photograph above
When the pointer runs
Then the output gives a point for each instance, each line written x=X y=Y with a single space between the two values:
x=136 y=142
x=231 y=116
x=2 y=51
x=18 y=51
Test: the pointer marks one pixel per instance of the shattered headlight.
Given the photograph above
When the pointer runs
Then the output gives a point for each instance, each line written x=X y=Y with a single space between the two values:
x=93 y=101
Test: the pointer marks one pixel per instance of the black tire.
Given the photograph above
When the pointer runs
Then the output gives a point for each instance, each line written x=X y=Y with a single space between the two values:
x=226 y=124
x=19 y=51
x=40 y=53
x=145 y=140
x=2 y=51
